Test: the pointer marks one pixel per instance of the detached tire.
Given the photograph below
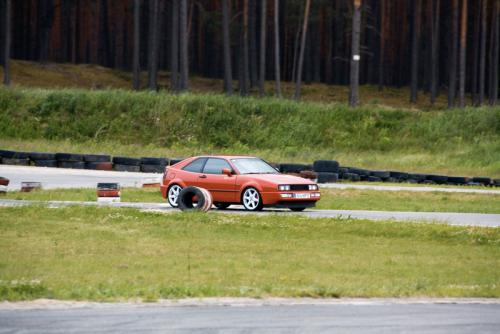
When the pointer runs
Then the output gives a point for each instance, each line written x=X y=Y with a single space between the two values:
x=186 y=196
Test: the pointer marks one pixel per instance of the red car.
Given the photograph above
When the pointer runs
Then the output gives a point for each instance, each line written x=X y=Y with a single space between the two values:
x=248 y=181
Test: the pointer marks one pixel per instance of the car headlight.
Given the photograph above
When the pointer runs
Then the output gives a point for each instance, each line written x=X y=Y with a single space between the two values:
x=284 y=187
x=313 y=187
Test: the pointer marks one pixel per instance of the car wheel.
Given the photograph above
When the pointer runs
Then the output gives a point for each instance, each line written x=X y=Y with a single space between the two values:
x=251 y=200
x=173 y=195
x=222 y=206
x=297 y=209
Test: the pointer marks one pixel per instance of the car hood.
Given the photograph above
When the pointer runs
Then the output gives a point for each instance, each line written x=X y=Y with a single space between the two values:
x=279 y=178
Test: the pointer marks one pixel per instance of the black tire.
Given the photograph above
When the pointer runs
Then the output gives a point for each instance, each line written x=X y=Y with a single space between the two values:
x=42 y=156
x=325 y=177
x=391 y=180
x=381 y=174
x=292 y=168
x=222 y=206
x=496 y=182
x=438 y=179
x=126 y=168
x=96 y=158
x=417 y=177
x=152 y=168
x=359 y=171
x=154 y=161
x=16 y=161
x=7 y=154
x=260 y=204
x=69 y=157
x=174 y=161
x=297 y=209
x=483 y=180
x=399 y=175
x=126 y=161
x=46 y=163
x=458 y=180
x=71 y=164
x=99 y=165
x=329 y=166
x=428 y=182
x=185 y=199
x=351 y=177
x=374 y=179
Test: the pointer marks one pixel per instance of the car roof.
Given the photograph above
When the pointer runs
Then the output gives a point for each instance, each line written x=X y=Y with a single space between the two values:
x=224 y=156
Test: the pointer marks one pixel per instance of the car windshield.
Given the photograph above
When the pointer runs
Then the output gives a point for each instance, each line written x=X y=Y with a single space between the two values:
x=253 y=166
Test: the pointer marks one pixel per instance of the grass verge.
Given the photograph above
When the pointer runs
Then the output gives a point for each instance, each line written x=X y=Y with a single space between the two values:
x=336 y=199
x=109 y=254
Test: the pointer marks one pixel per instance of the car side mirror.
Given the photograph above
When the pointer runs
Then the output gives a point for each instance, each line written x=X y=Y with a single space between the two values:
x=227 y=171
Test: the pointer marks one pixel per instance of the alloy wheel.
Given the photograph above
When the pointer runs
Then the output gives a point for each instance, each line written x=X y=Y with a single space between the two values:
x=173 y=195
x=251 y=199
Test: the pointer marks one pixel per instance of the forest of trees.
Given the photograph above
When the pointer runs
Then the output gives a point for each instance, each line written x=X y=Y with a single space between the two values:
x=438 y=46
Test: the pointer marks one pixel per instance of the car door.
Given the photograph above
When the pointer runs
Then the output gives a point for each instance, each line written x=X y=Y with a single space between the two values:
x=221 y=186
x=192 y=172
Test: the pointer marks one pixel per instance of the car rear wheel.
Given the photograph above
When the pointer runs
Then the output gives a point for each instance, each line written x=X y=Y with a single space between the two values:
x=297 y=209
x=251 y=200
x=173 y=195
x=222 y=206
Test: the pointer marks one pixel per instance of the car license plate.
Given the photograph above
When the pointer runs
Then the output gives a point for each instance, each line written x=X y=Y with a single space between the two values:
x=305 y=195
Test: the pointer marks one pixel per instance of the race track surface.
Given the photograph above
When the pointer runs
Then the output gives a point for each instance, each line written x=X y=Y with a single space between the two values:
x=301 y=318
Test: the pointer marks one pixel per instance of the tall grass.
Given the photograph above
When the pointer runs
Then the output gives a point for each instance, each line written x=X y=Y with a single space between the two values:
x=246 y=124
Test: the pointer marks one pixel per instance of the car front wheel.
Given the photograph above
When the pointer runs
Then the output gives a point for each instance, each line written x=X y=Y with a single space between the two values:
x=251 y=200
x=173 y=195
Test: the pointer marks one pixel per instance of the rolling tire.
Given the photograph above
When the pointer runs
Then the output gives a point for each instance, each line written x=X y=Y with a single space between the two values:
x=251 y=199
x=173 y=195
x=222 y=206
x=328 y=166
x=185 y=199
x=45 y=163
x=126 y=161
x=297 y=209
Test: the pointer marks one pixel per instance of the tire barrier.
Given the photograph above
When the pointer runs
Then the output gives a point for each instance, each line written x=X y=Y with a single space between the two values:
x=27 y=187
x=327 y=177
x=108 y=192
x=157 y=165
x=195 y=199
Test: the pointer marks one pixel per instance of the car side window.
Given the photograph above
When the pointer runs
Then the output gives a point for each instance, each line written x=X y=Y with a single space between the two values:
x=195 y=166
x=215 y=166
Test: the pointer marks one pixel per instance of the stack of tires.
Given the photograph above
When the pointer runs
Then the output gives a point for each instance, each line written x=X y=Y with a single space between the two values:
x=124 y=164
x=70 y=160
x=293 y=169
x=153 y=165
x=327 y=171
x=41 y=159
x=98 y=161
x=14 y=158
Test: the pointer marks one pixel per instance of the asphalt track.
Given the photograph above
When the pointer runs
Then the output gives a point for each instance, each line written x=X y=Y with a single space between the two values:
x=363 y=316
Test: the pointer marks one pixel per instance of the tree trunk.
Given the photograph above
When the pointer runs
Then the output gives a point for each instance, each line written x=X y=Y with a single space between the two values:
x=302 y=49
x=252 y=42
x=383 y=23
x=7 y=40
x=482 y=52
x=355 y=57
x=453 y=54
x=417 y=5
x=475 y=51
x=494 y=50
x=262 y=61
x=228 y=80
x=463 y=51
x=244 y=89
x=153 y=46
x=277 y=72
x=435 y=49
x=183 y=38
x=45 y=20
x=136 y=61
x=174 y=48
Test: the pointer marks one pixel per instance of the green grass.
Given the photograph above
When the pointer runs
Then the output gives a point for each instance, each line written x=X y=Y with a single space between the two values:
x=115 y=254
x=144 y=123
x=349 y=199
